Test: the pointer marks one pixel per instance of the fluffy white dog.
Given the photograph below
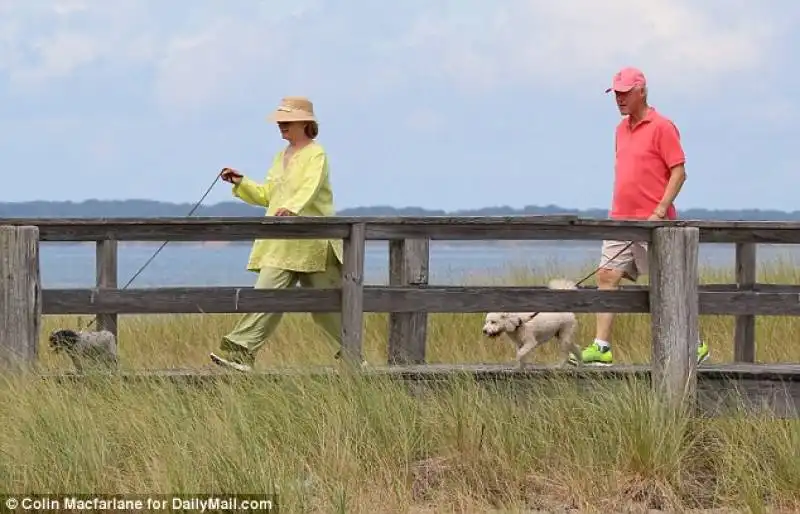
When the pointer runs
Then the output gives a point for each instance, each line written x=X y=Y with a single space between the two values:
x=528 y=331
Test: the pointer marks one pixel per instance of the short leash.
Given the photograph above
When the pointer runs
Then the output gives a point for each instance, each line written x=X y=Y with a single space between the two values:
x=147 y=263
x=590 y=275
x=587 y=277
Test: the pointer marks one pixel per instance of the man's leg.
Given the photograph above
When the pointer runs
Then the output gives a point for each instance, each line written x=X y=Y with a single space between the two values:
x=239 y=347
x=607 y=280
x=641 y=264
x=617 y=262
x=630 y=264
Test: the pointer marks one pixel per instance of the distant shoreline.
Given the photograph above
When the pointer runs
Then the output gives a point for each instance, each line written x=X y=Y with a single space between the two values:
x=138 y=208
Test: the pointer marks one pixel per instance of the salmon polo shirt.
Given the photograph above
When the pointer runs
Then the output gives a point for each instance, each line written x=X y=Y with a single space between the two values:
x=645 y=153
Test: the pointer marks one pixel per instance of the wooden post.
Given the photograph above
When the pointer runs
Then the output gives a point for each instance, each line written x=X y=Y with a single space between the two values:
x=744 y=349
x=20 y=296
x=353 y=293
x=674 y=281
x=408 y=266
x=106 y=266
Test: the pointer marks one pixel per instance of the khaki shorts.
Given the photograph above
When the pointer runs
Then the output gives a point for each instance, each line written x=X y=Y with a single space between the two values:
x=632 y=261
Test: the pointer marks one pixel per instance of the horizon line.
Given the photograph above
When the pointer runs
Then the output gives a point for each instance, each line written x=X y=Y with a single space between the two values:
x=378 y=206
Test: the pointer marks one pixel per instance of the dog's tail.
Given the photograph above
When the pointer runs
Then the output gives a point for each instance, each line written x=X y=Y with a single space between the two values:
x=561 y=283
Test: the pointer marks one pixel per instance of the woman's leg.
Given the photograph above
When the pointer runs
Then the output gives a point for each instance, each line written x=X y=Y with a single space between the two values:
x=331 y=322
x=248 y=336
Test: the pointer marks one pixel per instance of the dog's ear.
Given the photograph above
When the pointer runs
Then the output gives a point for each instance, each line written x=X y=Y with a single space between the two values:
x=516 y=321
x=64 y=335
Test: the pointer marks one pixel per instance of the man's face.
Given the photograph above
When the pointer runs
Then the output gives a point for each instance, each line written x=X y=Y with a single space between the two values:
x=630 y=101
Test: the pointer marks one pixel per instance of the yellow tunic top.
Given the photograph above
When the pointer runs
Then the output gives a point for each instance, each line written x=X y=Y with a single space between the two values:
x=304 y=188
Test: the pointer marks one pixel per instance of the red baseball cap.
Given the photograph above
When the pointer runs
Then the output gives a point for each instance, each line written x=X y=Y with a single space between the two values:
x=627 y=79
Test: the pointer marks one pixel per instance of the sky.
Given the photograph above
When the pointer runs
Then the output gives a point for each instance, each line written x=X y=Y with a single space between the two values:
x=430 y=103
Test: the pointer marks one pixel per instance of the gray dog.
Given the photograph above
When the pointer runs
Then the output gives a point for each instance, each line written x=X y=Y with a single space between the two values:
x=97 y=349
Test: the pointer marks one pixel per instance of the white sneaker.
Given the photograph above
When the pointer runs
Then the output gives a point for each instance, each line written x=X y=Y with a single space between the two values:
x=216 y=359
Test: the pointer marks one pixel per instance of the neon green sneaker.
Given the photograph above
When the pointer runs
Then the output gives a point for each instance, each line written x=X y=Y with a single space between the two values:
x=702 y=352
x=594 y=355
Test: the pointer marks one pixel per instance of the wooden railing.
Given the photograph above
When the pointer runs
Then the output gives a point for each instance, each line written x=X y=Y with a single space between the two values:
x=674 y=297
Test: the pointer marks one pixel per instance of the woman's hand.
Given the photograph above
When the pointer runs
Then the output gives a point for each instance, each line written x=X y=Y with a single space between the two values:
x=231 y=175
x=283 y=212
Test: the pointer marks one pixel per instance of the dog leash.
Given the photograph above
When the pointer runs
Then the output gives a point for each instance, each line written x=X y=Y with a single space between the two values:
x=147 y=263
x=590 y=275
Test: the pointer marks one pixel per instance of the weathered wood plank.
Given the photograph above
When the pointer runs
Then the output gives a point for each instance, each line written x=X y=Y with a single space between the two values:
x=353 y=294
x=189 y=300
x=761 y=288
x=408 y=265
x=507 y=230
x=194 y=229
x=106 y=276
x=750 y=302
x=674 y=305
x=434 y=227
x=504 y=299
x=749 y=371
x=183 y=300
x=723 y=288
x=721 y=389
x=744 y=349
x=20 y=296
x=745 y=234
x=483 y=371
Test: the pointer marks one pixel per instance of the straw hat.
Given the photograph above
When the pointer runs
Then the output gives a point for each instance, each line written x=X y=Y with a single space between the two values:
x=293 y=108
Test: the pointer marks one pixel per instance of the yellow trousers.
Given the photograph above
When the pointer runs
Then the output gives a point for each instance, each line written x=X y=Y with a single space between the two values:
x=252 y=330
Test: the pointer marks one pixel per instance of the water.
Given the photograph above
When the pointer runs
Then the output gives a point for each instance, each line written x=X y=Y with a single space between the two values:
x=68 y=265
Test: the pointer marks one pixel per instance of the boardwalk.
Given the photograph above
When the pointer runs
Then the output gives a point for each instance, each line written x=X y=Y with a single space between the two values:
x=674 y=298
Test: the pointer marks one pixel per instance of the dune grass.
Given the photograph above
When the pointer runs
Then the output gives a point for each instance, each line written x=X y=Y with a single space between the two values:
x=365 y=445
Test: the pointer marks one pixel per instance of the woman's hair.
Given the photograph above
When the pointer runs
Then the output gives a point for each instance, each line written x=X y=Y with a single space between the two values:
x=311 y=129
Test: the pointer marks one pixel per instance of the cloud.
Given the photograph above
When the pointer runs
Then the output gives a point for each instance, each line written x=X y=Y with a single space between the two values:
x=195 y=69
x=197 y=55
x=685 y=44
x=45 y=41
x=187 y=54
x=425 y=120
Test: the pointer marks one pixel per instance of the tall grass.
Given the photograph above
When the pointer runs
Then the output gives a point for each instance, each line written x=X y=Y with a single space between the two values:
x=352 y=444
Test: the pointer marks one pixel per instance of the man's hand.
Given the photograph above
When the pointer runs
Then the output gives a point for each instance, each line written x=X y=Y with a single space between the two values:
x=659 y=214
x=284 y=212
x=231 y=175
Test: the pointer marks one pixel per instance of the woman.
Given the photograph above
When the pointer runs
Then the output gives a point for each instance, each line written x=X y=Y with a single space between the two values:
x=297 y=184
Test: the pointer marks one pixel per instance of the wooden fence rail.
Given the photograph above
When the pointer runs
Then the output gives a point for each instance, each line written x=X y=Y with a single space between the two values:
x=674 y=298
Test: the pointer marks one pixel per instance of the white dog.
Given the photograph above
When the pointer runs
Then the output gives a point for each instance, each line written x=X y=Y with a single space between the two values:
x=528 y=331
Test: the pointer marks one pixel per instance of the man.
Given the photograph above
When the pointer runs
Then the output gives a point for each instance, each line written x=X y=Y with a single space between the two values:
x=648 y=175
